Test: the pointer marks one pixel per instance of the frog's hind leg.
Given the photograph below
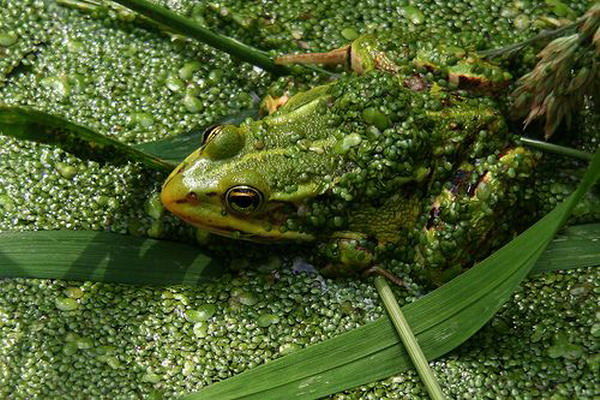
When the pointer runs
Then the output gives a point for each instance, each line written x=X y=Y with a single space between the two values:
x=361 y=56
x=340 y=56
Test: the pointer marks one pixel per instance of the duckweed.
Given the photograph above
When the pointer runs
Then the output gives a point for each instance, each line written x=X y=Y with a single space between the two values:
x=66 y=304
x=267 y=320
x=8 y=39
x=202 y=313
x=58 y=338
x=154 y=207
x=413 y=14
x=65 y=170
x=73 y=292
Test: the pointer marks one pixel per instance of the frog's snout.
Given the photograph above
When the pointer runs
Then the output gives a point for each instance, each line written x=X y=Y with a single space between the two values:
x=175 y=196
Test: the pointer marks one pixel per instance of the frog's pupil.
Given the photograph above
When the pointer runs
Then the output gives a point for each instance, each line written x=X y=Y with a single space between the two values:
x=243 y=201
x=244 y=198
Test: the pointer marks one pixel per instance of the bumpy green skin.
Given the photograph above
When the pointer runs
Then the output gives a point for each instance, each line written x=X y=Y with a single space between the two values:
x=126 y=342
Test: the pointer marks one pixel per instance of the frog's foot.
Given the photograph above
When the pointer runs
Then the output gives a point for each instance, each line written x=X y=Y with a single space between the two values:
x=360 y=56
x=385 y=273
x=347 y=257
x=271 y=104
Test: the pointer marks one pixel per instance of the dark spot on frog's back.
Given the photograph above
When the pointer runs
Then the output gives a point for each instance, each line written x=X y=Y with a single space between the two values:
x=416 y=83
x=472 y=188
x=460 y=181
x=433 y=214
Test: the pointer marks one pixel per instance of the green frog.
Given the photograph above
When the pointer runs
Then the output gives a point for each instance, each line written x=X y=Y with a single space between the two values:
x=405 y=158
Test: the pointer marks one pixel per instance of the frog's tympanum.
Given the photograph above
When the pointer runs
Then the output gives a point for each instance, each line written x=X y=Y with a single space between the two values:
x=407 y=159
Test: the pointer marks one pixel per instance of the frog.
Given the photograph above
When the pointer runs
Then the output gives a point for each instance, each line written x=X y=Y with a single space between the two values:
x=406 y=157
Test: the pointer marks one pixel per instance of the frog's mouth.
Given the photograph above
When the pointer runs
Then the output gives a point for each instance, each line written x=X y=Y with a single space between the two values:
x=206 y=211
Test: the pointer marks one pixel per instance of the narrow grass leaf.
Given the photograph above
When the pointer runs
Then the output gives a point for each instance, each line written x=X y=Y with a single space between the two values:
x=79 y=256
x=408 y=339
x=441 y=321
x=104 y=257
x=556 y=149
x=577 y=247
x=191 y=28
x=30 y=124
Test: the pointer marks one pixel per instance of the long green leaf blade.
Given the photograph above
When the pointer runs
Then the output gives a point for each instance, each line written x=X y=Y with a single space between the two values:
x=102 y=256
x=441 y=321
x=190 y=28
x=556 y=149
x=27 y=123
x=24 y=255
x=408 y=339
x=577 y=247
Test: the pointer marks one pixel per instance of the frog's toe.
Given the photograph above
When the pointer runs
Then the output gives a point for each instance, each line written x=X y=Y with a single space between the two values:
x=386 y=274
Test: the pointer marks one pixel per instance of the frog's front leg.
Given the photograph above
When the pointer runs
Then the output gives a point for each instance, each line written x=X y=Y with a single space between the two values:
x=348 y=257
x=361 y=56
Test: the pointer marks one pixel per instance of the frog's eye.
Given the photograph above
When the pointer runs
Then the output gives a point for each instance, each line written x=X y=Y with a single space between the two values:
x=243 y=199
x=210 y=133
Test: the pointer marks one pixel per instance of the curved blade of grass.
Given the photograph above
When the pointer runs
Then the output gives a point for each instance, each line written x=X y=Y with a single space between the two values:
x=29 y=124
x=104 y=257
x=441 y=321
x=515 y=47
x=190 y=28
x=577 y=247
x=176 y=148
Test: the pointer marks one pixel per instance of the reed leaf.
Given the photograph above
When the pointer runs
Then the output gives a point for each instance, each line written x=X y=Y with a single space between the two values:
x=556 y=149
x=81 y=255
x=30 y=124
x=577 y=247
x=175 y=149
x=190 y=28
x=103 y=257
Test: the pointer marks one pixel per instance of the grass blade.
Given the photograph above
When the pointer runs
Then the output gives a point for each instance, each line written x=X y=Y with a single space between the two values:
x=29 y=124
x=441 y=321
x=515 y=47
x=79 y=256
x=577 y=247
x=188 y=27
x=102 y=256
x=556 y=149
x=166 y=154
x=408 y=339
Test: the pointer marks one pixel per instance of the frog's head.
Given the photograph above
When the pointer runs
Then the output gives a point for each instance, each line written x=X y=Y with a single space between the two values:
x=247 y=181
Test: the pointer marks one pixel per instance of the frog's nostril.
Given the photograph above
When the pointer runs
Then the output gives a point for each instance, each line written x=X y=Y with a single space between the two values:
x=192 y=198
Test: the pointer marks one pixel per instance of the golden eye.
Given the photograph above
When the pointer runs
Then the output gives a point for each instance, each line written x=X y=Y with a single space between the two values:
x=244 y=199
x=210 y=133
